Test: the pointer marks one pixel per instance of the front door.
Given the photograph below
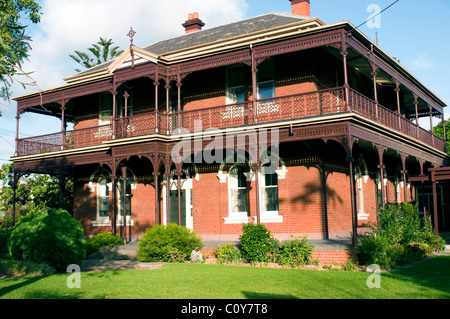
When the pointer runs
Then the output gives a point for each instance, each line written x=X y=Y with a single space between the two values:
x=185 y=202
x=173 y=207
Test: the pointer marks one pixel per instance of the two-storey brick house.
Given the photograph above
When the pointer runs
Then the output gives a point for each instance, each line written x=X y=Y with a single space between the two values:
x=336 y=113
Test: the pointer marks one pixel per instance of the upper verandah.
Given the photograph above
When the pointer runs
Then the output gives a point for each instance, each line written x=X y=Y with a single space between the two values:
x=257 y=32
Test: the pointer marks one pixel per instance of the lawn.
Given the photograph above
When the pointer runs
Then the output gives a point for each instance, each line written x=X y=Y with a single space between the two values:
x=429 y=279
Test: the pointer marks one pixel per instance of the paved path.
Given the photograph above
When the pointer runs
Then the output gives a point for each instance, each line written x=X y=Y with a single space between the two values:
x=122 y=257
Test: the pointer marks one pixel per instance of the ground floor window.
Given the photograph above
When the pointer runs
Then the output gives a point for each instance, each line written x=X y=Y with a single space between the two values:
x=237 y=195
x=102 y=199
x=268 y=190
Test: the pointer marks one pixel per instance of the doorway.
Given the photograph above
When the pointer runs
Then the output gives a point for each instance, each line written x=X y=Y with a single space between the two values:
x=185 y=202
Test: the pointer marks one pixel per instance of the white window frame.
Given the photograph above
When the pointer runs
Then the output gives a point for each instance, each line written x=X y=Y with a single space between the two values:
x=268 y=216
x=101 y=188
x=119 y=220
x=362 y=215
x=233 y=182
x=268 y=106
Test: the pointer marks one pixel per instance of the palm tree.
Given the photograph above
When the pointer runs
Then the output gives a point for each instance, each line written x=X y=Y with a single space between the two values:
x=102 y=51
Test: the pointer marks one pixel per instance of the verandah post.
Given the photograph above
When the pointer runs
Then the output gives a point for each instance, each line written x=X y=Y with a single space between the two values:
x=124 y=202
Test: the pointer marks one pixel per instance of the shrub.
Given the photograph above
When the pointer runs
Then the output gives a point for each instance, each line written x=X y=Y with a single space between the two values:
x=51 y=237
x=257 y=244
x=295 y=252
x=399 y=237
x=373 y=250
x=102 y=239
x=5 y=234
x=170 y=243
x=14 y=268
x=228 y=253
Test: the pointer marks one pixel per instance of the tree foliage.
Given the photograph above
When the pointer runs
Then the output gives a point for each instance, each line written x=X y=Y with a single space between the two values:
x=34 y=192
x=102 y=51
x=439 y=132
x=14 y=42
x=52 y=237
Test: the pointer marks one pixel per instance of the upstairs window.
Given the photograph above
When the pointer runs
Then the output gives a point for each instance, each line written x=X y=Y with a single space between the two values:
x=235 y=90
x=105 y=110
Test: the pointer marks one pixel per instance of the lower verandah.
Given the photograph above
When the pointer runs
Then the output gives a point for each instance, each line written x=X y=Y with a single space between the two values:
x=293 y=201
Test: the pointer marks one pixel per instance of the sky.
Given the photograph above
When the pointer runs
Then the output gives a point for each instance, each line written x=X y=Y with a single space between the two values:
x=417 y=32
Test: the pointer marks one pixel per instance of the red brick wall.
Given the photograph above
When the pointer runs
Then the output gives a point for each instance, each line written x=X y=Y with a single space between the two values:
x=300 y=205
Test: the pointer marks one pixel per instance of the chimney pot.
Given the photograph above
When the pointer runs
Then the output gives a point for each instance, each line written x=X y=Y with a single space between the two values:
x=301 y=7
x=193 y=23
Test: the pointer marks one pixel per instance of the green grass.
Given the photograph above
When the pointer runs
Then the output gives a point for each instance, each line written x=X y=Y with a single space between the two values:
x=426 y=280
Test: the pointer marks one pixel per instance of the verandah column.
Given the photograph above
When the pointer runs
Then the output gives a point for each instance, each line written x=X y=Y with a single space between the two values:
x=416 y=103
x=350 y=161
x=435 y=209
x=254 y=85
x=157 y=210
x=179 y=173
x=344 y=54
x=17 y=133
x=375 y=91
x=256 y=169
x=114 y=204
x=63 y=124
x=114 y=114
x=381 y=167
x=156 y=84
x=124 y=202
x=403 y=157
x=168 y=176
x=397 y=92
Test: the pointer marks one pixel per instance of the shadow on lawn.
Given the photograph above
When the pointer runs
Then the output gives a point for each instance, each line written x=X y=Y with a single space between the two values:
x=257 y=295
x=429 y=274
x=28 y=281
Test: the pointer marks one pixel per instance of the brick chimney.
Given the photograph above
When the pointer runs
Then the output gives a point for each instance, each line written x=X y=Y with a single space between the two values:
x=193 y=23
x=301 y=7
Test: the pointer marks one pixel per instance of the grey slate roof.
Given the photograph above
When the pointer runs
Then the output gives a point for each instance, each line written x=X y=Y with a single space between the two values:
x=242 y=27
x=246 y=26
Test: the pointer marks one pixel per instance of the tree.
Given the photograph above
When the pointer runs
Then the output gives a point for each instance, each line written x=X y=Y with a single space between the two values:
x=34 y=192
x=14 y=42
x=102 y=51
x=439 y=132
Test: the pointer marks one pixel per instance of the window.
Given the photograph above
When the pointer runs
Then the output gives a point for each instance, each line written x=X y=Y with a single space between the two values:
x=128 y=202
x=238 y=190
x=235 y=85
x=102 y=199
x=266 y=90
x=269 y=191
x=121 y=104
x=237 y=184
x=105 y=111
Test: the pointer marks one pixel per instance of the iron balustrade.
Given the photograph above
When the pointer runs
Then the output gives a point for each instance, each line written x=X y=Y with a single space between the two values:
x=316 y=103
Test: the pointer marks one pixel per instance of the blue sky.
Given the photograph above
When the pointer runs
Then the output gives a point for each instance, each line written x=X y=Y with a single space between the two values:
x=416 y=32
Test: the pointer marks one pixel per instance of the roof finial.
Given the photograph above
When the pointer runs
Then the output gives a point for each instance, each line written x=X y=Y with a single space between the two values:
x=131 y=35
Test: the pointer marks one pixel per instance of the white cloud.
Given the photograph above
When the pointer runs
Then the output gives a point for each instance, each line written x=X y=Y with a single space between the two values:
x=422 y=62
x=68 y=25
